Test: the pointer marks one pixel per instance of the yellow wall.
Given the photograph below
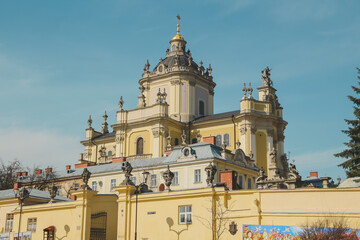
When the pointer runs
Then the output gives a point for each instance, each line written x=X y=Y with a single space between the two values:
x=261 y=150
x=267 y=207
x=132 y=142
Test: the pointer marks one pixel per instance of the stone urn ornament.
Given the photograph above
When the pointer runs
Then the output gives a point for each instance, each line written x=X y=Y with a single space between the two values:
x=168 y=177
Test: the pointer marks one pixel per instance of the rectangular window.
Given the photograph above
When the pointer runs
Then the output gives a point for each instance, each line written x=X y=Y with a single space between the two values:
x=227 y=139
x=76 y=186
x=31 y=224
x=240 y=182
x=153 y=180
x=9 y=222
x=94 y=186
x=218 y=140
x=133 y=179
x=249 y=183
x=185 y=214
x=175 y=180
x=197 y=176
x=112 y=184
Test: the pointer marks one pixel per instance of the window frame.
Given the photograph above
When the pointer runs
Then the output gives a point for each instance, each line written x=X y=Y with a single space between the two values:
x=92 y=185
x=185 y=213
x=31 y=224
x=9 y=222
x=112 y=184
x=175 y=180
x=139 y=151
x=153 y=181
x=197 y=175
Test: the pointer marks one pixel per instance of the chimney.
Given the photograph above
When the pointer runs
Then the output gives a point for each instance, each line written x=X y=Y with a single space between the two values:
x=68 y=167
x=38 y=171
x=314 y=174
x=119 y=159
x=17 y=185
x=48 y=170
x=18 y=174
x=210 y=139
x=229 y=178
x=325 y=181
x=24 y=174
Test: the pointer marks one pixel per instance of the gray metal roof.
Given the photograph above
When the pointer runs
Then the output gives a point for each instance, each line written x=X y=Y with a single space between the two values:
x=202 y=150
x=34 y=193
x=106 y=135
x=217 y=116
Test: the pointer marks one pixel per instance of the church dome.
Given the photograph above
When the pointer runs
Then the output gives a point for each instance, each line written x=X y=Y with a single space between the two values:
x=178 y=60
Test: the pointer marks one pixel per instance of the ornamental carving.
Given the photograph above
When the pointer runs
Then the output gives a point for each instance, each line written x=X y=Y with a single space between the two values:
x=210 y=173
x=192 y=83
x=85 y=177
x=211 y=92
x=243 y=130
x=175 y=82
x=233 y=228
x=270 y=132
x=253 y=129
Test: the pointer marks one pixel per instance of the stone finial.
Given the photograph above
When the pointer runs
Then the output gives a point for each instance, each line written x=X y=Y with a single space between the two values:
x=244 y=90
x=23 y=194
x=238 y=143
x=158 y=100
x=168 y=177
x=89 y=122
x=168 y=146
x=121 y=103
x=209 y=70
x=104 y=128
x=266 y=77
x=190 y=59
x=85 y=177
x=147 y=66
x=210 y=173
x=52 y=191
x=273 y=154
x=201 y=63
x=183 y=138
x=164 y=95
x=250 y=90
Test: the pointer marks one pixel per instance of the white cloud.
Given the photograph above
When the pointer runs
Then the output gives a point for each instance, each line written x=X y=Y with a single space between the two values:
x=39 y=148
x=323 y=162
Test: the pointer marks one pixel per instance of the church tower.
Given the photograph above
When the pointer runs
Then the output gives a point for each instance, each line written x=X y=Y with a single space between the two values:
x=189 y=86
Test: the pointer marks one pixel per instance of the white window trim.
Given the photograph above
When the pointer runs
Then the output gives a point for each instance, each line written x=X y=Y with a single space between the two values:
x=186 y=214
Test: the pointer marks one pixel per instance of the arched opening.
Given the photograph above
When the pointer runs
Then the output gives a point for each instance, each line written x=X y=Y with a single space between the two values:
x=201 y=108
x=176 y=142
x=140 y=146
x=227 y=139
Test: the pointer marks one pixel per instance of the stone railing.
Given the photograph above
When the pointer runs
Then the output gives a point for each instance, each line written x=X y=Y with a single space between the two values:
x=138 y=157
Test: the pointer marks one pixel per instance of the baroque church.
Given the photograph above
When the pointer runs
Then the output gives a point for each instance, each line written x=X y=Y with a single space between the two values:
x=176 y=108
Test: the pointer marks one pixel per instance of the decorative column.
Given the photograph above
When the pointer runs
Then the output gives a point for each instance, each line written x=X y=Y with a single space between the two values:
x=270 y=148
x=158 y=143
x=119 y=144
x=253 y=130
x=243 y=130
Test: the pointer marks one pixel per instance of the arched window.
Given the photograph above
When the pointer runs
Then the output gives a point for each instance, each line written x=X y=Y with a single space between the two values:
x=110 y=153
x=218 y=140
x=140 y=146
x=173 y=48
x=201 y=108
x=194 y=140
x=227 y=139
x=176 y=141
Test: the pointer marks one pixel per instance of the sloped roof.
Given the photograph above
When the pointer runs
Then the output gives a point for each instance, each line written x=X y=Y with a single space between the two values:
x=34 y=193
x=217 y=116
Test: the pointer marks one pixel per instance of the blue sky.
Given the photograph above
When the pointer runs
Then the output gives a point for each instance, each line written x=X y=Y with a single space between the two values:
x=61 y=61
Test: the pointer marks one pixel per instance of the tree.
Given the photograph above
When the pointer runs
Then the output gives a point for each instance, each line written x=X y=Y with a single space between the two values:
x=8 y=173
x=352 y=153
x=328 y=229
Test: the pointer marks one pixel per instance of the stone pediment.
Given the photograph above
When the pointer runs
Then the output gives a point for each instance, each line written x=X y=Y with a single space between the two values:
x=187 y=154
